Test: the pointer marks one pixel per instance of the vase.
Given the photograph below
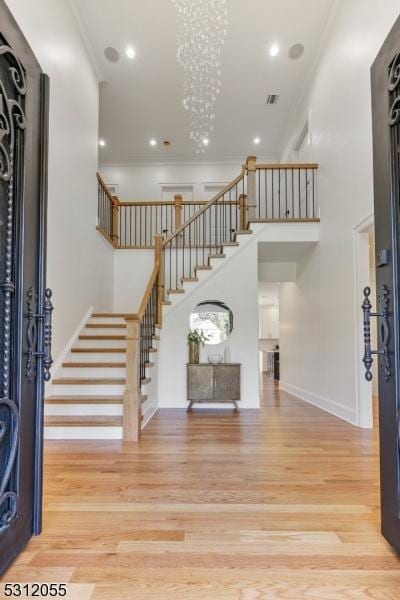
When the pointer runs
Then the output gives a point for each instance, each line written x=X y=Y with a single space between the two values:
x=194 y=353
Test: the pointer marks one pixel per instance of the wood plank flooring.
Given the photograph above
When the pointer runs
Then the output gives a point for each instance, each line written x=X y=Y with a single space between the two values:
x=277 y=504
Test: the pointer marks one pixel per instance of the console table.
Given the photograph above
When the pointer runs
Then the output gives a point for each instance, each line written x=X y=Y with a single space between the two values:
x=213 y=383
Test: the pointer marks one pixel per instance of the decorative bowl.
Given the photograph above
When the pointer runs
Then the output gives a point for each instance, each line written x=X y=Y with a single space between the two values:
x=215 y=359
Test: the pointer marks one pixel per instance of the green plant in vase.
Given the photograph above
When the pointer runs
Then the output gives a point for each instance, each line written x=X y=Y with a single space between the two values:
x=195 y=338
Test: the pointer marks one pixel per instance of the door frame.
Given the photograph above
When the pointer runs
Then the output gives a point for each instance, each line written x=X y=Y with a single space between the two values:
x=363 y=388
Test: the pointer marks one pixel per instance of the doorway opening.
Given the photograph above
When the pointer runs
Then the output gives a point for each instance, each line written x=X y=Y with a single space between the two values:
x=364 y=269
x=268 y=310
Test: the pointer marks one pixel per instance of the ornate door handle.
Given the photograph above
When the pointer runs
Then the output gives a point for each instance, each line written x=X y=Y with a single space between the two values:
x=36 y=320
x=383 y=331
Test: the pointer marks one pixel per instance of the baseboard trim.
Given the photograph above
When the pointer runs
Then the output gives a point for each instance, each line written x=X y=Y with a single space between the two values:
x=330 y=406
x=149 y=414
x=67 y=348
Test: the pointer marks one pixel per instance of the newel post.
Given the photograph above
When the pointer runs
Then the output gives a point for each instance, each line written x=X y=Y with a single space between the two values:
x=115 y=222
x=243 y=211
x=132 y=405
x=251 y=186
x=158 y=256
x=178 y=211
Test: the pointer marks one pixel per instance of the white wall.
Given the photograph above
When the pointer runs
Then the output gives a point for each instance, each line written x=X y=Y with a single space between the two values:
x=276 y=272
x=144 y=182
x=234 y=283
x=318 y=314
x=132 y=271
x=79 y=267
x=269 y=322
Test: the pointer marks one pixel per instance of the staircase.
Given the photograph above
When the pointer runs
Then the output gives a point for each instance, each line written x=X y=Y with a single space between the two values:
x=107 y=386
x=87 y=392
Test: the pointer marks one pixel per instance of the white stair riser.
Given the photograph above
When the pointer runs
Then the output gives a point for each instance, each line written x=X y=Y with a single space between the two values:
x=92 y=372
x=91 y=409
x=104 y=331
x=78 y=357
x=87 y=390
x=98 y=343
x=83 y=433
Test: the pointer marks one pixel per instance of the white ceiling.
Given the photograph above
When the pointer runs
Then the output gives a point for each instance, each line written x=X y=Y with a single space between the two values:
x=142 y=99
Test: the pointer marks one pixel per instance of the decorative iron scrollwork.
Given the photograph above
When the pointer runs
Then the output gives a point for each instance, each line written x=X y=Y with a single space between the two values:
x=393 y=85
x=12 y=125
x=383 y=330
x=32 y=334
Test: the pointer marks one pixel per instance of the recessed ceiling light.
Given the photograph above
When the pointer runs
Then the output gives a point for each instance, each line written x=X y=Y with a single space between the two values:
x=206 y=141
x=274 y=50
x=256 y=140
x=153 y=142
x=102 y=142
x=130 y=52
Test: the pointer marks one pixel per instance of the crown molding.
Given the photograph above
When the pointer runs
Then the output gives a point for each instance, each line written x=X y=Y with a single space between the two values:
x=85 y=38
x=209 y=162
x=298 y=111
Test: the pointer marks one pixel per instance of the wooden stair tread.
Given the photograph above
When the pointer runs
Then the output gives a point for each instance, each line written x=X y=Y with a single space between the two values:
x=149 y=364
x=189 y=279
x=96 y=365
x=83 y=421
x=152 y=349
x=176 y=291
x=217 y=256
x=88 y=381
x=102 y=337
x=100 y=350
x=110 y=315
x=105 y=326
x=243 y=232
x=84 y=400
x=155 y=337
x=145 y=381
x=203 y=268
x=166 y=303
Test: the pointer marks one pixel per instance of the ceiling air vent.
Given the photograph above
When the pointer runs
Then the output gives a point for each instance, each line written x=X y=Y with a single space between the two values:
x=272 y=98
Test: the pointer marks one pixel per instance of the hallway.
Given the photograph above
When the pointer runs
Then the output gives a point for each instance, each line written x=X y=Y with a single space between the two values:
x=277 y=504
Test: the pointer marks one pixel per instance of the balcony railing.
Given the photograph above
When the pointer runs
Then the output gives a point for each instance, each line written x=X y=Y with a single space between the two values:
x=265 y=193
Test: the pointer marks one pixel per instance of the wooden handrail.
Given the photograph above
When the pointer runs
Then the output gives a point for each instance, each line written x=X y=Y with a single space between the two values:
x=101 y=181
x=149 y=287
x=206 y=207
x=167 y=202
x=283 y=166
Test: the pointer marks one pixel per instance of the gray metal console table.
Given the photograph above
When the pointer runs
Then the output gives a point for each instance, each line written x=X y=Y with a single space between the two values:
x=213 y=383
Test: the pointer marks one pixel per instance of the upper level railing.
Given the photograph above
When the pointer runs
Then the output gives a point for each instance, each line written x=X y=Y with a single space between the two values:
x=268 y=192
x=260 y=193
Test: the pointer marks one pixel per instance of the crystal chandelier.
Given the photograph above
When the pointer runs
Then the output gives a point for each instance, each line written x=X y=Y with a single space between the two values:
x=202 y=29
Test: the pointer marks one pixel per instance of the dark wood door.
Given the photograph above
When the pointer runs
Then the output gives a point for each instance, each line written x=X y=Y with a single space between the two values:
x=386 y=135
x=25 y=311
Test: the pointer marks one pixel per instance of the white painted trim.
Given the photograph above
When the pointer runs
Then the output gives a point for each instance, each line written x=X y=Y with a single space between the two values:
x=363 y=388
x=67 y=348
x=85 y=39
x=294 y=116
x=179 y=161
x=149 y=416
x=330 y=406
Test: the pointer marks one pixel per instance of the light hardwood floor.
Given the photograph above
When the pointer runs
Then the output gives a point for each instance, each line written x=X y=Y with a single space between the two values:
x=281 y=503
